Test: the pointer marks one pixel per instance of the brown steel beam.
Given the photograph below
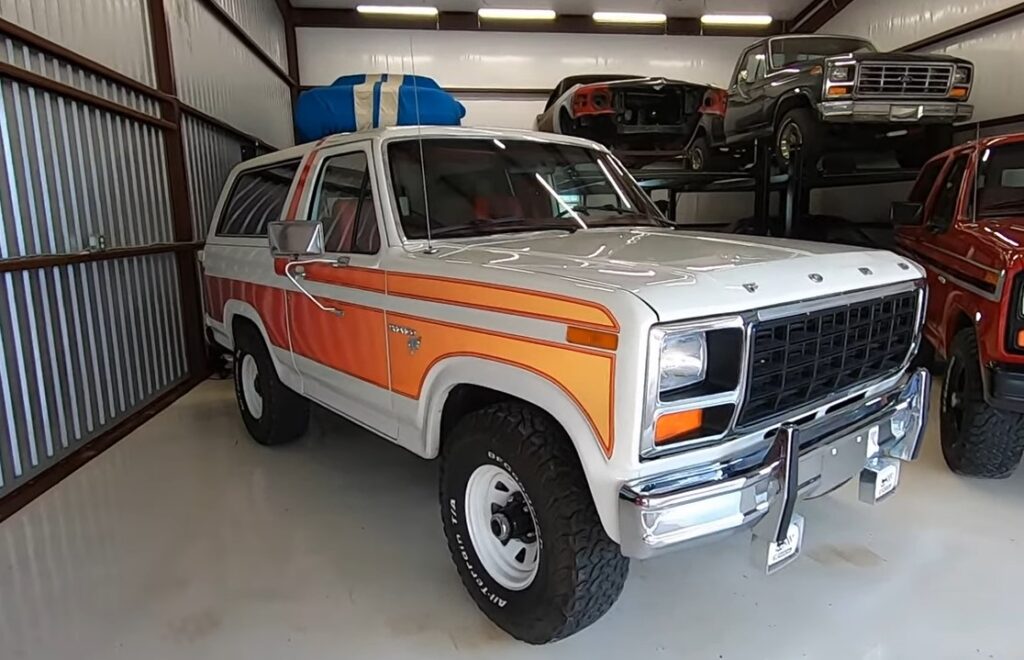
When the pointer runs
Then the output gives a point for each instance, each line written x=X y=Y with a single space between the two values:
x=42 y=82
x=177 y=178
x=964 y=28
x=223 y=125
x=51 y=260
x=56 y=50
x=50 y=477
x=812 y=17
x=239 y=32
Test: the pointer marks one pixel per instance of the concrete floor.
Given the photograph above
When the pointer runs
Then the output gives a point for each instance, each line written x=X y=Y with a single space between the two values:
x=187 y=540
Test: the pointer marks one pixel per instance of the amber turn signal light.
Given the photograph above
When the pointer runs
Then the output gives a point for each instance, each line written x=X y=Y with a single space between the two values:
x=959 y=93
x=838 y=91
x=1020 y=339
x=594 y=338
x=672 y=425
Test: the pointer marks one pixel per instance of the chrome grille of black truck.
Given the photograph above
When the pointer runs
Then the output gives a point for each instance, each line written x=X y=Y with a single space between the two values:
x=904 y=79
x=800 y=359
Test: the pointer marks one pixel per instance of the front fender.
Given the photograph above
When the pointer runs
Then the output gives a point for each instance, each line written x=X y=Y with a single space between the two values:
x=792 y=99
x=534 y=389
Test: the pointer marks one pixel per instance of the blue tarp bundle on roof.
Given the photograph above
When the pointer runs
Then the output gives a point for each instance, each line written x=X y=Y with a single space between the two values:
x=364 y=101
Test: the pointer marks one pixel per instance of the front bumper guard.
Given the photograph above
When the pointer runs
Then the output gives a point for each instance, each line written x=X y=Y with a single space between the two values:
x=896 y=112
x=672 y=510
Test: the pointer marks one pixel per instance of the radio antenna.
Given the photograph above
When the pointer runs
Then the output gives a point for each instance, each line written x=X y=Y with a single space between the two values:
x=419 y=139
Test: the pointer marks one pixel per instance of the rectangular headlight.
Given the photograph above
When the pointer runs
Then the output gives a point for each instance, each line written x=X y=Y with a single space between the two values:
x=962 y=75
x=683 y=361
x=840 y=73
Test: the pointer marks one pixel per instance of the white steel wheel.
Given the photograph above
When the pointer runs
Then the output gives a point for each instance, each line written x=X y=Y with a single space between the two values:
x=250 y=377
x=502 y=527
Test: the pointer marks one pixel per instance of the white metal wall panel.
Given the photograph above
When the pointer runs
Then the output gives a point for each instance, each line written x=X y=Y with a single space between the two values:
x=219 y=75
x=72 y=173
x=82 y=347
x=261 y=20
x=210 y=154
x=113 y=32
x=999 y=79
x=509 y=60
x=895 y=24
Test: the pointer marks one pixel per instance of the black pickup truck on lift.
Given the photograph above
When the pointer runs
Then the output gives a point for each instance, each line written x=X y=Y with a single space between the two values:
x=821 y=92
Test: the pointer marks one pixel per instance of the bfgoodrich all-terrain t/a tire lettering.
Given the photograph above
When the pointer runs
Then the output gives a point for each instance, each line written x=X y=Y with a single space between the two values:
x=281 y=415
x=581 y=571
x=977 y=439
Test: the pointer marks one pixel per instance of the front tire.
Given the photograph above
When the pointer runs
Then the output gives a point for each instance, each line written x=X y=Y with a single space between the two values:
x=511 y=483
x=977 y=439
x=799 y=129
x=273 y=414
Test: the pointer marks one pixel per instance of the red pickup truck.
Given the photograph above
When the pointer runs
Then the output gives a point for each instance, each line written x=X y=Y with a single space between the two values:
x=964 y=222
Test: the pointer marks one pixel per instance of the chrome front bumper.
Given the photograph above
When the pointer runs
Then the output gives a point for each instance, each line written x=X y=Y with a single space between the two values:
x=759 y=492
x=896 y=112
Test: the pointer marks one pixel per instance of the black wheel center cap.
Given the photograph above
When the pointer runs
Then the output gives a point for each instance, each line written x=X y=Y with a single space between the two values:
x=513 y=521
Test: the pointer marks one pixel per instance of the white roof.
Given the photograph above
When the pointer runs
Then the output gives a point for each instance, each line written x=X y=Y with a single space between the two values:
x=407 y=132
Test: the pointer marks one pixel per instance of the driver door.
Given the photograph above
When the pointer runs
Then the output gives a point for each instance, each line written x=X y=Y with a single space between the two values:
x=343 y=355
x=745 y=110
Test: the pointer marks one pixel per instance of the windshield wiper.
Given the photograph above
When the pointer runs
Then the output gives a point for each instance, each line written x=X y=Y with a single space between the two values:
x=498 y=227
x=583 y=208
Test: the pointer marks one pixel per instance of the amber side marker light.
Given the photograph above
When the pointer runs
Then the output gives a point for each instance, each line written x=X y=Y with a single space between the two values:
x=672 y=425
x=1020 y=339
x=593 y=338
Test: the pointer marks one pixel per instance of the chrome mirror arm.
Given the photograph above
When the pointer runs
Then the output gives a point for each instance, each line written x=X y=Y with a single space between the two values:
x=338 y=262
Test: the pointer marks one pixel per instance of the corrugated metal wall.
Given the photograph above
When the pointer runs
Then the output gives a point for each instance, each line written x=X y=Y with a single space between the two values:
x=210 y=152
x=91 y=340
x=75 y=175
x=220 y=76
x=83 y=346
x=112 y=32
x=261 y=19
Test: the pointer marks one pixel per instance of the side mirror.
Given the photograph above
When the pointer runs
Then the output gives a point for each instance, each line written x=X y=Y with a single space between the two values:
x=905 y=213
x=296 y=238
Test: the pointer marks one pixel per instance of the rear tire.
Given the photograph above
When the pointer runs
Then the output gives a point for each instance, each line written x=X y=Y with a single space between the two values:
x=977 y=439
x=700 y=154
x=531 y=467
x=273 y=414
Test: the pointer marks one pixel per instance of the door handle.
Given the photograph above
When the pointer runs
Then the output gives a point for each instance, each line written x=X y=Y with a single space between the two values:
x=299 y=272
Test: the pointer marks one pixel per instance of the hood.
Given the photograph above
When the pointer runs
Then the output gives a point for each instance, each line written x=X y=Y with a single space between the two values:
x=653 y=83
x=682 y=274
x=909 y=58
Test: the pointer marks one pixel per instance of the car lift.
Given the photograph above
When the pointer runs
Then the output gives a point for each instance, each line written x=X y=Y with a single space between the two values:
x=794 y=188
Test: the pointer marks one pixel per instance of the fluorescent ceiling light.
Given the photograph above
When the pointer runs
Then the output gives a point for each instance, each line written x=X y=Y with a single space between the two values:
x=397 y=10
x=736 y=19
x=628 y=17
x=517 y=14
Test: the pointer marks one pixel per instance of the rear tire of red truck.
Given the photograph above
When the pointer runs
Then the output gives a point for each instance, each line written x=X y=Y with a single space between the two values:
x=978 y=440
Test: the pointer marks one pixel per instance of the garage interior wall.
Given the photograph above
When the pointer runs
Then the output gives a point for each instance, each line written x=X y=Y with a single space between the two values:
x=504 y=78
x=112 y=153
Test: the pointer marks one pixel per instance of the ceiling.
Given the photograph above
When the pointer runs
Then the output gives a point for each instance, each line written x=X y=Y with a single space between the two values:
x=780 y=9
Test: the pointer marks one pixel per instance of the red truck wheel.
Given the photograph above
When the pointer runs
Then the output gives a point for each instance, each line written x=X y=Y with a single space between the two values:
x=977 y=439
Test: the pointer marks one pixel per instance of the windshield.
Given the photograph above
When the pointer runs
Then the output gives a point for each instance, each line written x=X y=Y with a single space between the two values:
x=801 y=49
x=1001 y=181
x=481 y=186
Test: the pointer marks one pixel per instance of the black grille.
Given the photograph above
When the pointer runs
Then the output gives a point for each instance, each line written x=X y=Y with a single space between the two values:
x=904 y=79
x=800 y=359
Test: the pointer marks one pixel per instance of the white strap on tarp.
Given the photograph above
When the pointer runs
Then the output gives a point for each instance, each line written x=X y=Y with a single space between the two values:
x=362 y=99
x=389 y=89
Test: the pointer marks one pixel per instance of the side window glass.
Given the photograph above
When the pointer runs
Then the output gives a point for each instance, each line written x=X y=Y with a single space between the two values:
x=344 y=203
x=926 y=181
x=257 y=197
x=753 y=64
x=945 y=201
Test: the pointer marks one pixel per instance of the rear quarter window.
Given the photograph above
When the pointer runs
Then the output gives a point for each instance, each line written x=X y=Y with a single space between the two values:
x=257 y=198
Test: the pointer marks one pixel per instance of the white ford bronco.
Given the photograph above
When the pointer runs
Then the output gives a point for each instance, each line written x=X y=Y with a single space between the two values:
x=597 y=384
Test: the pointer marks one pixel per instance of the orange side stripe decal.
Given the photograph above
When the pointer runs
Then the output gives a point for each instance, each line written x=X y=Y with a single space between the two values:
x=502 y=299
